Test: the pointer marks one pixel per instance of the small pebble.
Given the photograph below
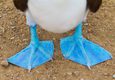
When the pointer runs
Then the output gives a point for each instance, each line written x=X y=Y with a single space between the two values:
x=12 y=38
x=54 y=38
x=54 y=78
x=13 y=27
x=69 y=73
x=86 y=24
x=106 y=74
x=114 y=76
x=2 y=30
x=38 y=72
x=25 y=39
x=4 y=63
x=76 y=73
x=81 y=79
x=0 y=16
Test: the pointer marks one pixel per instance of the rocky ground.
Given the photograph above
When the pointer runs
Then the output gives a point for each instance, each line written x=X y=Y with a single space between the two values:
x=14 y=36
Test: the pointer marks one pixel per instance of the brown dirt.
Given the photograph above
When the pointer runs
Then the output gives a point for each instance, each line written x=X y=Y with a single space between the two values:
x=14 y=36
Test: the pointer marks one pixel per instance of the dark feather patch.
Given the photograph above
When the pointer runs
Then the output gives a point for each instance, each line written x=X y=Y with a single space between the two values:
x=94 y=5
x=21 y=4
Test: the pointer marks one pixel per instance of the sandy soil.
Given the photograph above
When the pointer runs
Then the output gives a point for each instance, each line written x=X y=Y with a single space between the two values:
x=14 y=36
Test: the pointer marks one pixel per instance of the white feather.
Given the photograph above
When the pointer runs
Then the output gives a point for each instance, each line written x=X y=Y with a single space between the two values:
x=57 y=16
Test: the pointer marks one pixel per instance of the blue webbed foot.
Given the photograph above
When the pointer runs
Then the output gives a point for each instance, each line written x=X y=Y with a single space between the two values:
x=83 y=51
x=35 y=54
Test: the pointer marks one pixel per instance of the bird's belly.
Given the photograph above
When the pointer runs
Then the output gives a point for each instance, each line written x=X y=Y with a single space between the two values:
x=57 y=16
